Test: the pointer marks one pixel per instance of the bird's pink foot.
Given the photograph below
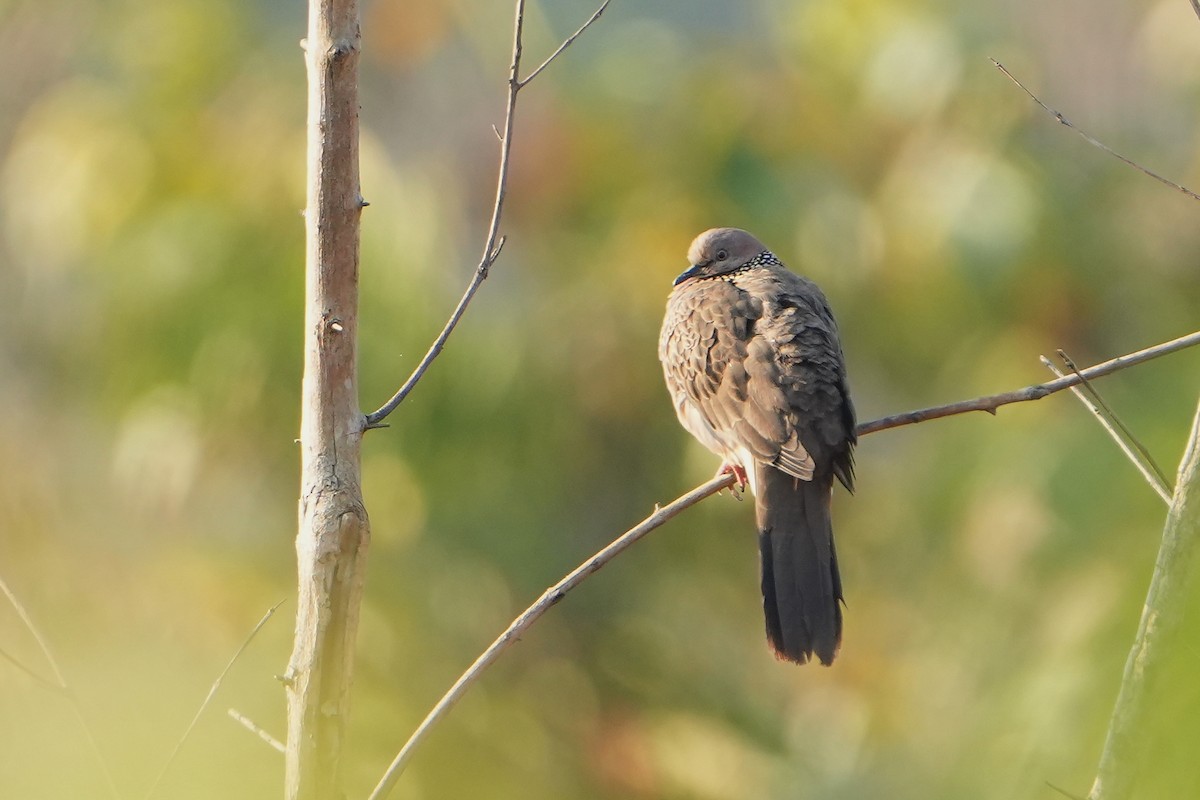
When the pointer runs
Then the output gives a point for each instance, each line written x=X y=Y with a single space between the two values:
x=739 y=474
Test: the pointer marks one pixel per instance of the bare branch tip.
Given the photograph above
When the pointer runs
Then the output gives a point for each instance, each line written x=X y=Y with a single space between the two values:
x=1063 y=792
x=1004 y=70
x=1067 y=360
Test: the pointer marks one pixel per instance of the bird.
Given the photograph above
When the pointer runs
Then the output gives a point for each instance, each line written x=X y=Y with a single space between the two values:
x=754 y=365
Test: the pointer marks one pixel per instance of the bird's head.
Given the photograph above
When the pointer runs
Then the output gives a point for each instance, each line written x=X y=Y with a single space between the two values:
x=719 y=251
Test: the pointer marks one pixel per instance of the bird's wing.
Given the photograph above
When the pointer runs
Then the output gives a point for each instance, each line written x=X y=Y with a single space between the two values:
x=726 y=378
x=801 y=336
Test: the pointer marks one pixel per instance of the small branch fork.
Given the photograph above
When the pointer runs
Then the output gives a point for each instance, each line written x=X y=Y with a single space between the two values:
x=495 y=242
x=1096 y=142
x=661 y=514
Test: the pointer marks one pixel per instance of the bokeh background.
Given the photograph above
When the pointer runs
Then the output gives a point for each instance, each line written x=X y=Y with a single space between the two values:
x=151 y=182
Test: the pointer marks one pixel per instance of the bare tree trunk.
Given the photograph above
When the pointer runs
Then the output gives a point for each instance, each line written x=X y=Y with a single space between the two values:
x=334 y=531
x=1164 y=609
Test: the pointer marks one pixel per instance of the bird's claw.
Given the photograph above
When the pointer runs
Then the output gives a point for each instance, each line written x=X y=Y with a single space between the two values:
x=738 y=488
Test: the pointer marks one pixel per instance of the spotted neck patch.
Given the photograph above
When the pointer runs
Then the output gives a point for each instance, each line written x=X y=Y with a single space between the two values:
x=764 y=259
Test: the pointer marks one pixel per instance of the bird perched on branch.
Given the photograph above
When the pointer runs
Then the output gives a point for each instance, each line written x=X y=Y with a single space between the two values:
x=752 y=359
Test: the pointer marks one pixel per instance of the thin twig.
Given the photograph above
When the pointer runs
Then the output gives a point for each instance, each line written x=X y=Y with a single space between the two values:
x=46 y=683
x=1093 y=141
x=62 y=688
x=212 y=692
x=531 y=614
x=257 y=730
x=1035 y=392
x=35 y=632
x=1157 y=634
x=1196 y=7
x=494 y=242
x=661 y=515
x=1116 y=429
x=1064 y=792
x=1137 y=445
x=567 y=42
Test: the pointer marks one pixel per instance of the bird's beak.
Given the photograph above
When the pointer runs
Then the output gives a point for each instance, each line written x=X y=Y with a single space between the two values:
x=691 y=272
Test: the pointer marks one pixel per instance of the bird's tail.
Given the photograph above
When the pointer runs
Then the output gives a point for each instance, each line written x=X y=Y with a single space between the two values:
x=801 y=588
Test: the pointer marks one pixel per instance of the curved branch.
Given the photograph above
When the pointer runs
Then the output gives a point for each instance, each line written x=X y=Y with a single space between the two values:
x=531 y=615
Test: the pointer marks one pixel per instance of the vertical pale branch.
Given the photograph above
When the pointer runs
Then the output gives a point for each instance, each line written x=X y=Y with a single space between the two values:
x=334 y=532
x=1161 y=615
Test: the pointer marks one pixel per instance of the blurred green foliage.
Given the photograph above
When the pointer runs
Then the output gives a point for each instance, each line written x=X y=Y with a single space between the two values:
x=151 y=178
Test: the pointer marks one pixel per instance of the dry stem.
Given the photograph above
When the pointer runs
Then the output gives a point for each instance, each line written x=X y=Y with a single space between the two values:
x=334 y=531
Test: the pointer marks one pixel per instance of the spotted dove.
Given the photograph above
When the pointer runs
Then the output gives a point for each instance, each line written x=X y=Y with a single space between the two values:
x=752 y=359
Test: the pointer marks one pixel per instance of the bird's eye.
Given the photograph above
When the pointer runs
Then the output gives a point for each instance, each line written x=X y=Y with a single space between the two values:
x=722 y=255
